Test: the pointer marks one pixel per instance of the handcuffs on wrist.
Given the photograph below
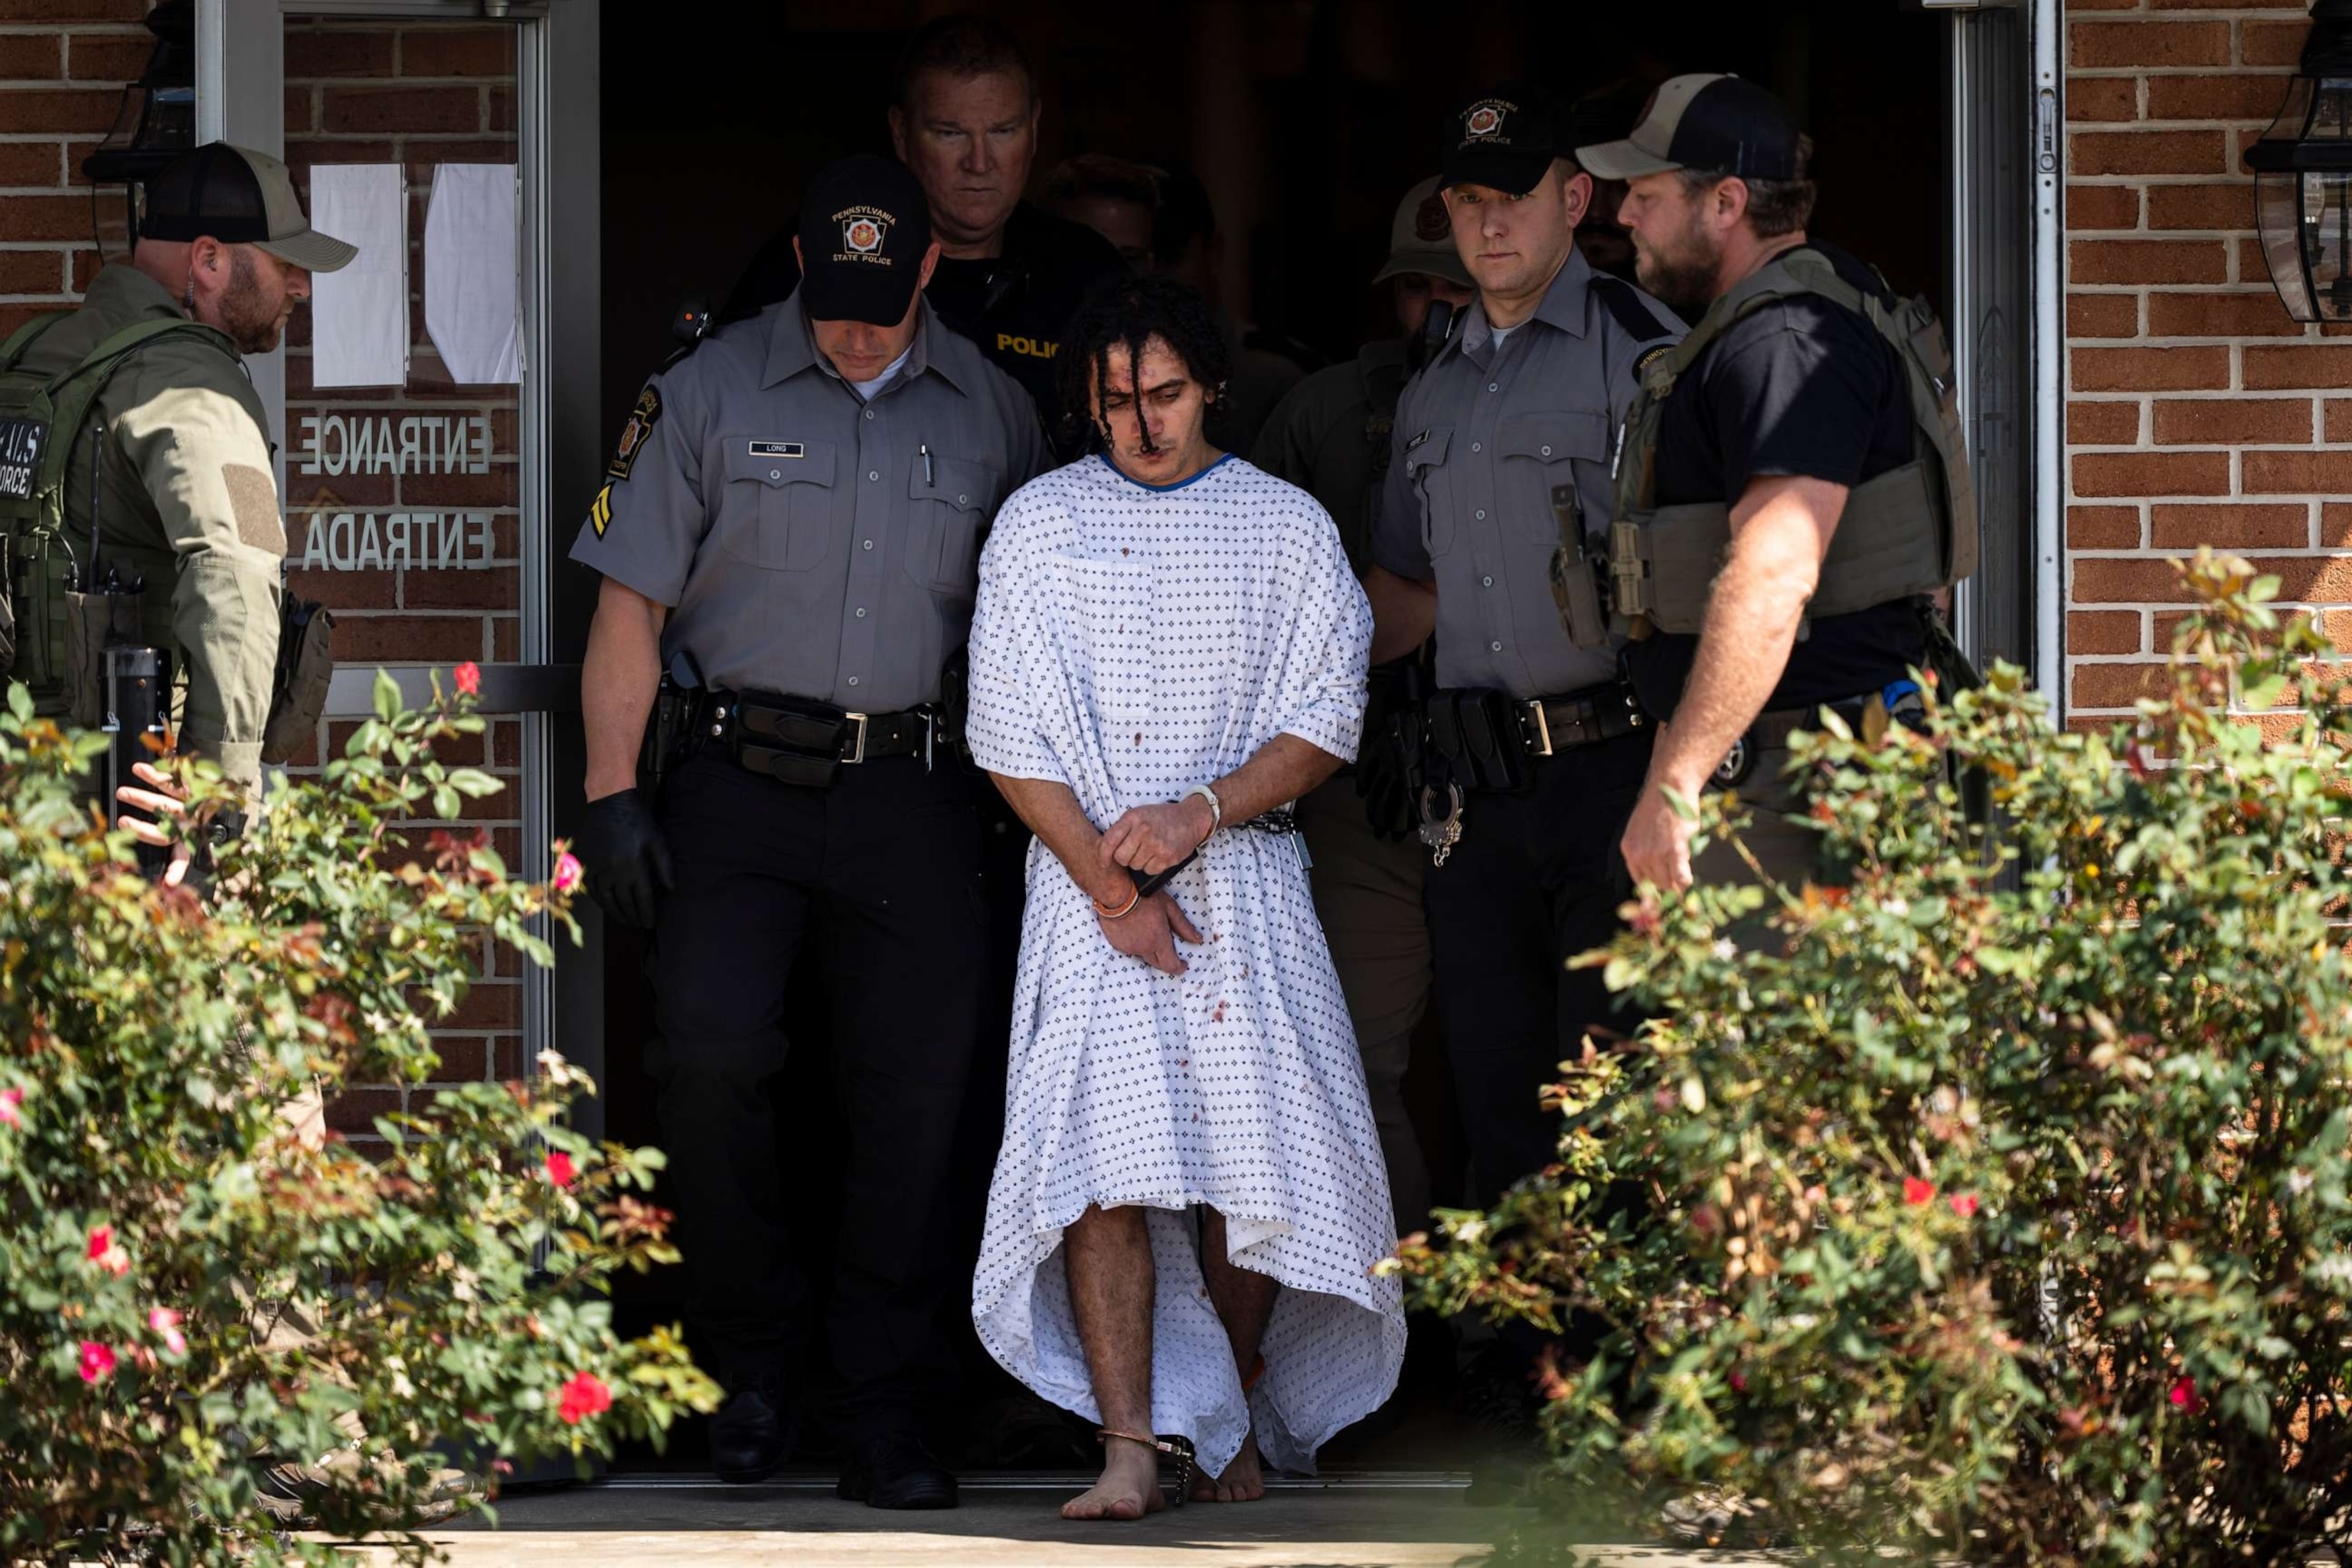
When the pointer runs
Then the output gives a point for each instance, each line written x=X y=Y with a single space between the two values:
x=1147 y=884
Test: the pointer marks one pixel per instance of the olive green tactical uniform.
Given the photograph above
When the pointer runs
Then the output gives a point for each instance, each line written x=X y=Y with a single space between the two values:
x=187 y=499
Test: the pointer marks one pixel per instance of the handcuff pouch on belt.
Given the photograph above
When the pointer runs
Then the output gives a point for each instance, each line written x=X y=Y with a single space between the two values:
x=1474 y=738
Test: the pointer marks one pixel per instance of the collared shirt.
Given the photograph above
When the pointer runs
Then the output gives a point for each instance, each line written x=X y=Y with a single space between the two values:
x=1482 y=434
x=811 y=543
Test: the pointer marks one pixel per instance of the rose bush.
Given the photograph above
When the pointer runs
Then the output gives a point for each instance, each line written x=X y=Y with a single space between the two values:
x=186 y=1285
x=1997 y=1208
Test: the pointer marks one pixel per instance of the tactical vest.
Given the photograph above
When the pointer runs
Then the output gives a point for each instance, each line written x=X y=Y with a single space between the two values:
x=1908 y=531
x=41 y=421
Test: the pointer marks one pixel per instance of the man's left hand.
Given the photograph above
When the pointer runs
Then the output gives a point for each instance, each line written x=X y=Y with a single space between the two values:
x=1150 y=839
x=165 y=799
x=1657 y=845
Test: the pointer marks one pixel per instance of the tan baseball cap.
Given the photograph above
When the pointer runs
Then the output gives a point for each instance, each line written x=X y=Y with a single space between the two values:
x=237 y=196
x=1421 y=238
x=1704 y=120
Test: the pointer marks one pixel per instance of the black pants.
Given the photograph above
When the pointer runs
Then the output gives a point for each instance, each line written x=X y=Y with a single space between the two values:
x=1535 y=879
x=881 y=870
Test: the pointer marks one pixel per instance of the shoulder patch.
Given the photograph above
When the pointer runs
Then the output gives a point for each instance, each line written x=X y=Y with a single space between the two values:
x=1642 y=361
x=642 y=420
x=1633 y=313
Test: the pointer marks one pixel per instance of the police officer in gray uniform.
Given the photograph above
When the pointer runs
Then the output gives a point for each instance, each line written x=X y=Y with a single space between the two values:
x=794 y=520
x=1535 y=751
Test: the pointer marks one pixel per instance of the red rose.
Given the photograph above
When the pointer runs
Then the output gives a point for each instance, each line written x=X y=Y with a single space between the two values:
x=560 y=1169
x=2184 y=1397
x=468 y=677
x=1916 y=1191
x=1964 y=1204
x=584 y=1397
x=105 y=1254
x=97 y=1362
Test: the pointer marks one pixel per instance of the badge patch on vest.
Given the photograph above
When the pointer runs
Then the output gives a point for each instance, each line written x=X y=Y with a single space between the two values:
x=20 y=456
x=778 y=449
x=635 y=434
x=1642 y=360
x=600 y=510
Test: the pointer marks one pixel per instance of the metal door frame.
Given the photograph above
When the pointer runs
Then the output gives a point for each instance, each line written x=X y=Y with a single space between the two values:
x=240 y=97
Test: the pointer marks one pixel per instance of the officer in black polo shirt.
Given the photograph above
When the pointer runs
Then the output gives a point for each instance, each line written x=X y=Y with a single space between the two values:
x=1791 y=487
x=964 y=118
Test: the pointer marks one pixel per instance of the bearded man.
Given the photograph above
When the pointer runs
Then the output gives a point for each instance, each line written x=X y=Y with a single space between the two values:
x=1168 y=651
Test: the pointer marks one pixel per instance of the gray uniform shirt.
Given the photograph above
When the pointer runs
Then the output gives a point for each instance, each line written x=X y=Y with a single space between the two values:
x=811 y=543
x=1481 y=435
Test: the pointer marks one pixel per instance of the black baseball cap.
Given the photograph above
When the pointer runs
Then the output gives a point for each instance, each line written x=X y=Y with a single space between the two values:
x=237 y=196
x=1703 y=121
x=864 y=229
x=1506 y=138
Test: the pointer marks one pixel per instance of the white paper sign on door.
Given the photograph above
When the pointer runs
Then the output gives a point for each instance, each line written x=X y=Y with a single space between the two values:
x=472 y=240
x=359 y=314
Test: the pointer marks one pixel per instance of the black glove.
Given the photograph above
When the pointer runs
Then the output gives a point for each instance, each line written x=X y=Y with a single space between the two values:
x=627 y=861
x=1388 y=764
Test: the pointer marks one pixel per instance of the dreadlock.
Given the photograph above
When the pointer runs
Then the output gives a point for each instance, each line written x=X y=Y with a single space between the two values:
x=1129 y=313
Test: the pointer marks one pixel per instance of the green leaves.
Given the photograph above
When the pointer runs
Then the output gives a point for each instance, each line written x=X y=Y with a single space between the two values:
x=2011 y=1220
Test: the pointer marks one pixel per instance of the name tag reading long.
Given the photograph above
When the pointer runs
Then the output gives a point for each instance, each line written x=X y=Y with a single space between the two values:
x=778 y=449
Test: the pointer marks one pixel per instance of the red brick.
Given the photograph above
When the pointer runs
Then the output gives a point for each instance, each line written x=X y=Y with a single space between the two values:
x=501 y=109
x=457 y=51
x=301 y=109
x=2094 y=100
x=76 y=10
x=2272 y=44
x=2335 y=419
x=2102 y=206
x=25 y=163
x=355 y=1109
x=2244 y=315
x=45 y=217
x=2103 y=527
x=2309 y=579
x=411 y=110
x=2126 y=581
x=495 y=489
x=361 y=640
x=2231 y=421
x=2117 y=685
x=2149 y=370
x=329 y=50
x=484 y=1007
x=108 y=56
x=55 y=111
x=2174 y=526
x=2151 y=473
x=86 y=264
x=341 y=591
x=2149 y=153
x=2334 y=525
x=2146 y=261
x=2101 y=423
x=2103 y=4
x=2223 y=208
x=2252 y=265
x=465 y=1058
x=32 y=271
x=499 y=588
x=2102 y=315
x=2297 y=473
x=31 y=57
x=2201 y=96
x=2102 y=631
x=2270 y=366
x=2106 y=44
x=15 y=316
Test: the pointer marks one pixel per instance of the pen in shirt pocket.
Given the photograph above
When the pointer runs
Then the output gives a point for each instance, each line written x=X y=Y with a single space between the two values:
x=925 y=448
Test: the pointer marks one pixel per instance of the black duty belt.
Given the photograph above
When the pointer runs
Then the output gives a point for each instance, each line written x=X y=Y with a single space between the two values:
x=802 y=741
x=1771 y=732
x=1488 y=738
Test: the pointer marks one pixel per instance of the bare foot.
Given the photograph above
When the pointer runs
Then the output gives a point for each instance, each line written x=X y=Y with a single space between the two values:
x=1242 y=1482
x=1130 y=1487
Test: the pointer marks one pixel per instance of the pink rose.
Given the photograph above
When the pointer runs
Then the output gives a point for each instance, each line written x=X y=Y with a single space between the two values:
x=468 y=677
x=2184 y=1397
x=97 y=1362
x=560 y=1169
x=105 y=1253
x=166 y=1322
x=584 y=1397
x=10 y=1098
x=1964 y=1204
x=1916 y=1191
x=568 y=872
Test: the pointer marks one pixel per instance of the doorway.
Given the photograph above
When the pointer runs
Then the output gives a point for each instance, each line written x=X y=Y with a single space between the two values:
x=1305 y=121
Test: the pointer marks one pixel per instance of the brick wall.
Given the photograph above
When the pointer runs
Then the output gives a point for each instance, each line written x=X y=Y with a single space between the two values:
x=419 y=94
x=63 y=64
x=2197 y=412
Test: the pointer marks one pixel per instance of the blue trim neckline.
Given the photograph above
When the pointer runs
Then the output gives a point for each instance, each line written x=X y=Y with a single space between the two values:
x=1162 y=489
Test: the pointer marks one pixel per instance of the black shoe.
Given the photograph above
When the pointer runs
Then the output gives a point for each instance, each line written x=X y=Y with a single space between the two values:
x=752 y=1436
x=896 y=1470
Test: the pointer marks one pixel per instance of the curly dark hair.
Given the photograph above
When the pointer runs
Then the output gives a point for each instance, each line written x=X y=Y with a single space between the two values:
x=1130 y=312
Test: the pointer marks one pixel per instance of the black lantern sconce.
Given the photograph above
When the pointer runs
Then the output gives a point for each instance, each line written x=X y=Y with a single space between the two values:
x=157 y=121
x=2303 y=175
